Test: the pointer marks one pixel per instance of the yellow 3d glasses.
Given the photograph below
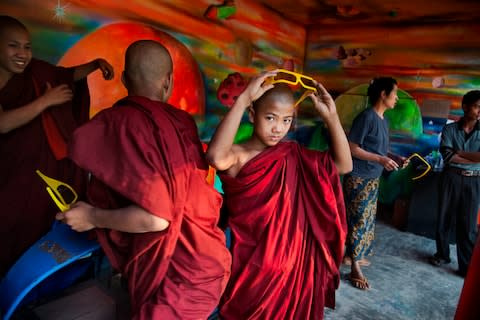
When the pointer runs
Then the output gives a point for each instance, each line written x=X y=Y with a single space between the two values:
x=294 y=78
x=428 y=167
x=62 y=194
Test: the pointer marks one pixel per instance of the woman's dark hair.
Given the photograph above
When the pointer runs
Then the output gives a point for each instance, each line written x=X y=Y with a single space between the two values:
x=470 y=98
x=377 y=85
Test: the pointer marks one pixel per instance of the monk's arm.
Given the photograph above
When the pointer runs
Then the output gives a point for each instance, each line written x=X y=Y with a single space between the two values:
x=12 y=119
x=220 y=154
x=325 y=106
x=82 y=71
x=362 y=154
x=133 y=219
x=339 y=145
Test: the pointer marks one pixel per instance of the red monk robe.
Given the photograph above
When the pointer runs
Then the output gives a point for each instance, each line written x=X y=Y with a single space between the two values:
x=287 y=216
x=27 y=211
x=468 y=307
x=148 y=153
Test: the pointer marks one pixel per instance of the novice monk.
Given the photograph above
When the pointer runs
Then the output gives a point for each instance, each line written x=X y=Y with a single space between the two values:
x=286 y=208
x=40 y=106
x=156 y=217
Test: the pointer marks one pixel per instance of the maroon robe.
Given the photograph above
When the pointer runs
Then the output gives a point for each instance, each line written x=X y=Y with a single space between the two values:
x=148 y=153
x=468 y=307
x=27 y=211
x=287 y=217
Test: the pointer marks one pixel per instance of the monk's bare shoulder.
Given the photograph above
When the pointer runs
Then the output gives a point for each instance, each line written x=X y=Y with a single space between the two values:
x=242 y=154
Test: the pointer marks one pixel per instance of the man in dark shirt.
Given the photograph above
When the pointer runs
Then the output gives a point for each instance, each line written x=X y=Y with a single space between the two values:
x=460 y=184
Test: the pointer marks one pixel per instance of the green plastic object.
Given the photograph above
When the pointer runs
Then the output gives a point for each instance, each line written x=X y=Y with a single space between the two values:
x=244 y=132
x=225 y=12
x=405 y=118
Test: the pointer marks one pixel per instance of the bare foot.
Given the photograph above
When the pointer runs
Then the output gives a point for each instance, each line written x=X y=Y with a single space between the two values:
x=357 y=278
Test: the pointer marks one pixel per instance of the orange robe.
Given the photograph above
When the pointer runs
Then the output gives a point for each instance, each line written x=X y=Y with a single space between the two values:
x=287 y=217
x=148 y=153
x=27 y=210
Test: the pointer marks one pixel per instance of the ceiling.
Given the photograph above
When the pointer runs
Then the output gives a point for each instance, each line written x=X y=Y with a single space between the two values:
x=321 y=12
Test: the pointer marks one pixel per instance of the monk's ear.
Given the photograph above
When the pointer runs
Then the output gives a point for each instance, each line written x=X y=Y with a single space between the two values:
x=168 y=85
x=251 y=114
x=124 y=80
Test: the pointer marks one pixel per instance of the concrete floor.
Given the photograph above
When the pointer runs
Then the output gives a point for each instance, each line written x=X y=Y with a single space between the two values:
x=403 y=286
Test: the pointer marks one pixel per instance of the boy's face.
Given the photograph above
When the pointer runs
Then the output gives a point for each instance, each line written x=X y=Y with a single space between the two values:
x=15 y=51
x=272 y=121
x=472 y=112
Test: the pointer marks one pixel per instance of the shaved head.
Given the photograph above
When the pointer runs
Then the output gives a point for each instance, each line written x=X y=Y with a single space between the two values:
x=279 y=93
x=7 y=22
x=147 y=65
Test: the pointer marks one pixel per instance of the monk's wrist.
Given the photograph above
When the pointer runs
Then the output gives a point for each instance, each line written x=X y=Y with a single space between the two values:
x=243 y=101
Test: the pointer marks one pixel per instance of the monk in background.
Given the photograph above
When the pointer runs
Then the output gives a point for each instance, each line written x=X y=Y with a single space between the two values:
x=40 y=106
x=153 y=211
x=285 y=206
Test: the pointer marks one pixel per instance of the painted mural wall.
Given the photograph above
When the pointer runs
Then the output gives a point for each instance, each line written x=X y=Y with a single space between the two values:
x=252 y=39
x=436 y=63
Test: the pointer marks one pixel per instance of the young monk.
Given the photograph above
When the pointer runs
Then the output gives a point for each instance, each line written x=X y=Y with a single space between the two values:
x=155 y=215
x=40 y=106
x=285 y=204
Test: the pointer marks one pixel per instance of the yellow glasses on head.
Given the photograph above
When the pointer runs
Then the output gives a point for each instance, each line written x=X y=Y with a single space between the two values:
x=428 y=168
x=294 y=78
x=62 y=194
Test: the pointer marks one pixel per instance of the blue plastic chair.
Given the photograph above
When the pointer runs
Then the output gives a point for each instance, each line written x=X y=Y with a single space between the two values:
x=59 y=248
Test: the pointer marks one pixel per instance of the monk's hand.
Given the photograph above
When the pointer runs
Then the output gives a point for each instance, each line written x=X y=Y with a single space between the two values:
x=80 y=216
x=256 y=88
x=388 y=163
x=324 y=103
x=56 y=95
x=106 y=68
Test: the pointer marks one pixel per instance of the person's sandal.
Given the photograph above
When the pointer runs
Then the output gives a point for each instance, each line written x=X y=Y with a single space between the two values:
x=358 y=283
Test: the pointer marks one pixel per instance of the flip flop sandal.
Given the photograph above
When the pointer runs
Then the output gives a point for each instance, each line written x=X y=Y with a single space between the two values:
x=359 y=283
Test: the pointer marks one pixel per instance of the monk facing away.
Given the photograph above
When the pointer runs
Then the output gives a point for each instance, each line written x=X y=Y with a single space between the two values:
x=154 y=214
x=40 y=106
x=285 y=205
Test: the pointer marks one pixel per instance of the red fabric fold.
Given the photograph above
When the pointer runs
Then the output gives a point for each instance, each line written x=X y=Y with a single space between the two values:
x=287 y=216
x=148 y=153
x=27 y=209
x=468 y=303
x=55 y=140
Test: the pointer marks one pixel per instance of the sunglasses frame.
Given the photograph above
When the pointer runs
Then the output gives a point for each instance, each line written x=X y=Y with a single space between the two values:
x=429 y=167
x=52 y=189
x=298 y=80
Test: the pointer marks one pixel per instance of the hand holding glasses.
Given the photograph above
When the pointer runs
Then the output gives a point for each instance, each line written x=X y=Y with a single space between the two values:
x=416 y=155
x=62 y=194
